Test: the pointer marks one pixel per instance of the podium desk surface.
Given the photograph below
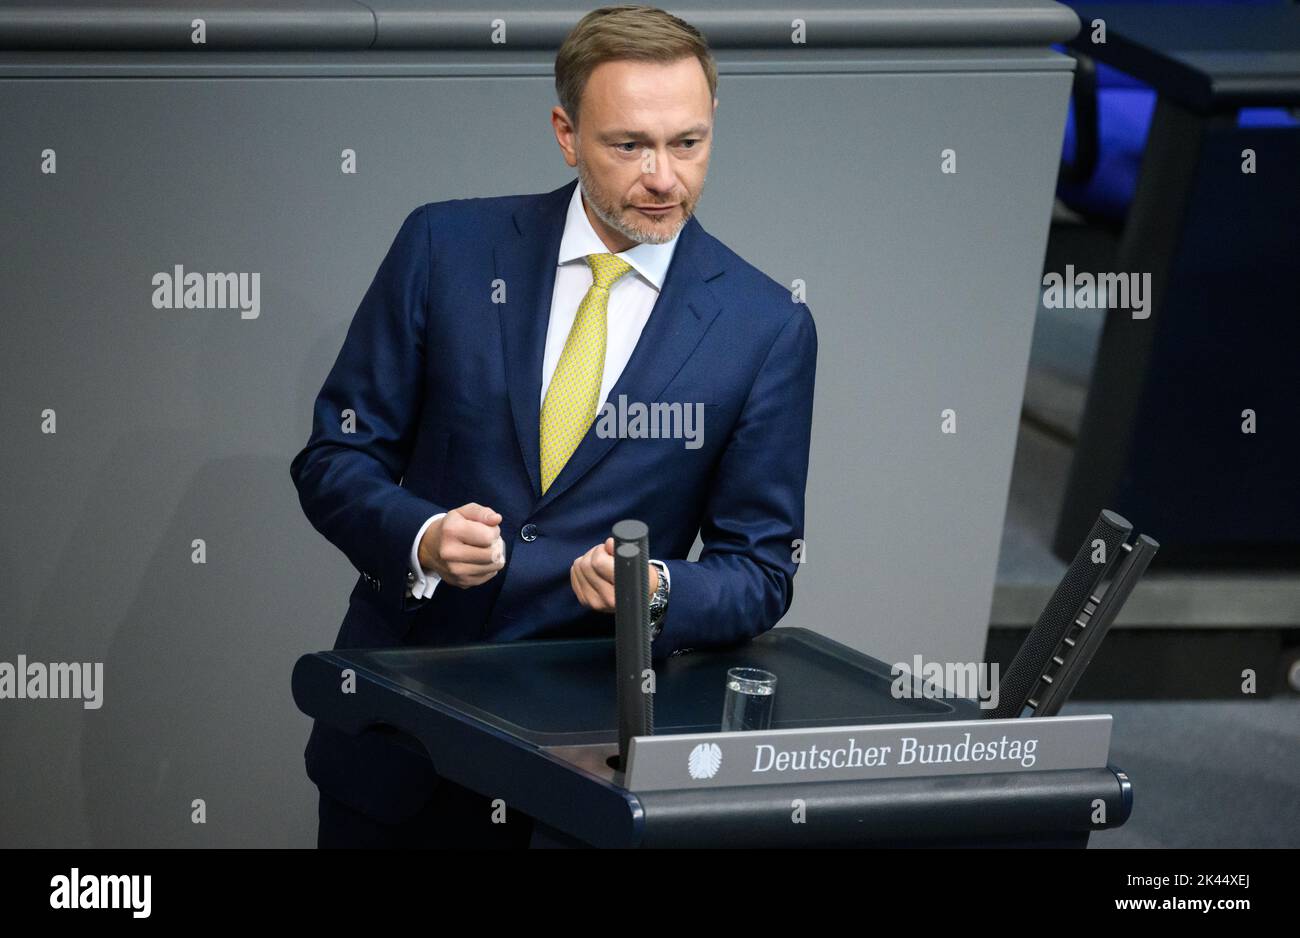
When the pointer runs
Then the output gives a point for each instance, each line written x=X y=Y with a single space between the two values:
x=562 y=692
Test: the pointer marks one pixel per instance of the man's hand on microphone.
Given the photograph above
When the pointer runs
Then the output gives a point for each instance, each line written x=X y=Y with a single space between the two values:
x=592 y=577
x=464 y=547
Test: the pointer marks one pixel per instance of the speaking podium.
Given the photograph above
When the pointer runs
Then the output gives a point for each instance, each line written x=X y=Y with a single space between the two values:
x=534 y=723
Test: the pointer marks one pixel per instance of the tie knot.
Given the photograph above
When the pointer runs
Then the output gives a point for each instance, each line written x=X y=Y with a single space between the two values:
x=606 y=269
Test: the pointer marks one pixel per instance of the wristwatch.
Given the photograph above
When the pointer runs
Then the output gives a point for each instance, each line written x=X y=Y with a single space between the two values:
x=659 y=601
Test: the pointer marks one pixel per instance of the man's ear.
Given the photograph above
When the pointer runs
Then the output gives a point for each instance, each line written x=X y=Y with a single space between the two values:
x=565 y=134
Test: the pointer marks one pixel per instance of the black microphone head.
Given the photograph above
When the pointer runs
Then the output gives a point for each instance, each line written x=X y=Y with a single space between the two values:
x=629 y=530
x=1116 y=522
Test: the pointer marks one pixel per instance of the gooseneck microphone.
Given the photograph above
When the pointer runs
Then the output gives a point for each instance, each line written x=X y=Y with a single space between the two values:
x=1062 y=611
x=1081 y=642
x=632 y=632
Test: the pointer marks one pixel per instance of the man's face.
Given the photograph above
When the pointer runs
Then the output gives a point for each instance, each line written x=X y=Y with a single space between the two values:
x=644 y=134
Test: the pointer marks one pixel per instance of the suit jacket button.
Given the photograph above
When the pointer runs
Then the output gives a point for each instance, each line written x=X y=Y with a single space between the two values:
x=528 y=532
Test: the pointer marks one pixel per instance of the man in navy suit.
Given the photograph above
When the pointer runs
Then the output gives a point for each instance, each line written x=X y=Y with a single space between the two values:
x=477 y=437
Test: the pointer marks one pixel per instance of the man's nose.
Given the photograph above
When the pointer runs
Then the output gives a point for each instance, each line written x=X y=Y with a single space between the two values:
x=663 y=180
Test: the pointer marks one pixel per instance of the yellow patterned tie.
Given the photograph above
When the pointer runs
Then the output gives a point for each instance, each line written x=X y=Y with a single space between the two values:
x=574 y=391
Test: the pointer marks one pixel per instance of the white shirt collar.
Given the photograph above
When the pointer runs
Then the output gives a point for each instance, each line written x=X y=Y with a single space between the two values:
x=580 y=239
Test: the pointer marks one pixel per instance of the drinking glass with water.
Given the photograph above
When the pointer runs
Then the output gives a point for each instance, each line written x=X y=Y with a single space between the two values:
x=750 y=695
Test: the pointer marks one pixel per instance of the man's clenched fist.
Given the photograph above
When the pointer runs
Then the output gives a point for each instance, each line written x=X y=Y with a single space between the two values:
x=592 y=577
x=464 y=546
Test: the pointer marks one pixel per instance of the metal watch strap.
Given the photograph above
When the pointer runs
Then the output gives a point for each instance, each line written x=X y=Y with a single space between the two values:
x=659 y=601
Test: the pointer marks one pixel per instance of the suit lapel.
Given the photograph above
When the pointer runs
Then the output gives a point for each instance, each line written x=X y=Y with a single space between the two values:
x=526 y=264
x=683 y=311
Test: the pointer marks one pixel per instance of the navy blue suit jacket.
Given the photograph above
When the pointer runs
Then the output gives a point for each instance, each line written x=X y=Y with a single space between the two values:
x=445 y=385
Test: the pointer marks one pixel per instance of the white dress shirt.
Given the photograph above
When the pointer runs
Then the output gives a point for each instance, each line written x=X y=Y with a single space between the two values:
x=630 y=302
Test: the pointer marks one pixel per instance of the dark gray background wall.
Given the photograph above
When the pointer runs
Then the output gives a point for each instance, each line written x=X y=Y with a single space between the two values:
x=180 y=424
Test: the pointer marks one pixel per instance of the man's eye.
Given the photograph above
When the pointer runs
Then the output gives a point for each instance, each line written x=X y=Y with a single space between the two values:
x=692 y=142
x=633 y=145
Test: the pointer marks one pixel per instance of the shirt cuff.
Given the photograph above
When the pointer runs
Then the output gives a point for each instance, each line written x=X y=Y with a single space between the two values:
x=421 y=583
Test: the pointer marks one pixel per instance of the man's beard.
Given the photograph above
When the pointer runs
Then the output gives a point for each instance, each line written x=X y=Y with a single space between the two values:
x=610 y=213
